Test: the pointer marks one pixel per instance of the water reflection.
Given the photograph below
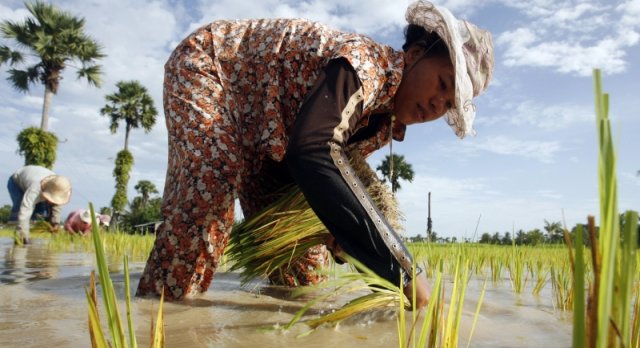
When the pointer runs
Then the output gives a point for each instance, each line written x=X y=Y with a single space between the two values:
x=25 y=263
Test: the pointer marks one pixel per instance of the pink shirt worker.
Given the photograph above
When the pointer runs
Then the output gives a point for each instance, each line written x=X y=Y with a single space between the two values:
x=78 y=221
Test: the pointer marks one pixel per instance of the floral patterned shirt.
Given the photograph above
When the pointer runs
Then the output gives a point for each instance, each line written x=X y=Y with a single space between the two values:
x=268 y=66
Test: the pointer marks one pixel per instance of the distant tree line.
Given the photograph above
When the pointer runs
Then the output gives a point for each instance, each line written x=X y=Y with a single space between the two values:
x=552 y=233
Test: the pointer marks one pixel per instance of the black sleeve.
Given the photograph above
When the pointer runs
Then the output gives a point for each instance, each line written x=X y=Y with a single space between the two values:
x=317 y=162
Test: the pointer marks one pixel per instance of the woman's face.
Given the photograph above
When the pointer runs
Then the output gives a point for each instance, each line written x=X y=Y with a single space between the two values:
x=427 y=89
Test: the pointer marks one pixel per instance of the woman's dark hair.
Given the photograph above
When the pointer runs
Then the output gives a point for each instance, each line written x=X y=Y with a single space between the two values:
x=430 y=41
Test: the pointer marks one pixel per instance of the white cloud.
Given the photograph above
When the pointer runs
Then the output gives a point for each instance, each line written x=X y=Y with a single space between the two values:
x=572 y=37
x=630 y=13
x=631 y=178
x=14 y=15
x=380 y=15
x=551 y=194
x=543 y=151
x=543 y=116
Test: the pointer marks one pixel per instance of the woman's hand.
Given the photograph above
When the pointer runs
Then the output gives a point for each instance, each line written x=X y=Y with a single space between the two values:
x=335 y=249
x=423 y=291
x=55 y=228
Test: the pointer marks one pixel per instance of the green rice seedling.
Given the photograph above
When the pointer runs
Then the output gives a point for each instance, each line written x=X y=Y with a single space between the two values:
x=430 y=323
x=477 y=315
x=541 y=277
x=516 y=268
x=380 y=293
x=609 y=321
x=635 y=327
x=112 y=312
x=116 y=244
x=496 y=268
x=577 y=266
x=455 y=305
x=437 y=329
x=42 y=226
x=561 y=288
x=158 y=333
x=480 y=263
x=430 y=263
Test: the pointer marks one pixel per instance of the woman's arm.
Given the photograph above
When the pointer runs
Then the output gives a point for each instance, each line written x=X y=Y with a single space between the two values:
x=316 y=159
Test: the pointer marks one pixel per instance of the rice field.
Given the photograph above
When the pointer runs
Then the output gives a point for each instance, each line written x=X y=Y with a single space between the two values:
x=542 y=273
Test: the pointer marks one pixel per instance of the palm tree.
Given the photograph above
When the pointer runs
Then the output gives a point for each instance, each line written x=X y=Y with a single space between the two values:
x=554 y=231
x=400 y=170
x=145 y=188
x=131 y=104
x=55 y=39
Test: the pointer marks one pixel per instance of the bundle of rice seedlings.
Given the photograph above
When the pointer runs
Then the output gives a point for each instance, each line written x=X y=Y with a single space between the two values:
x=42 y=226
x=275 y=237
x=269 y=243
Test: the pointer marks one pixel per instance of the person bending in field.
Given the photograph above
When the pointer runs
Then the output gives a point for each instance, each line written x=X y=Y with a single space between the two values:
x=79 y=221
x=36 y=192
x=253 y=105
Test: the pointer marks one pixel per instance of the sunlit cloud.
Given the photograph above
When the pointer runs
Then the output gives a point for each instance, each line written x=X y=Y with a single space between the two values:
x=572 y=37
x=543 y=151
x=540 y=115
x=551 y=194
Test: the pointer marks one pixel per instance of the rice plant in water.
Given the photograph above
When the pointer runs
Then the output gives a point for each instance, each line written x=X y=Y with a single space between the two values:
x=435 y=326
x=605 y=318
x=113 y=318
x=517 y=269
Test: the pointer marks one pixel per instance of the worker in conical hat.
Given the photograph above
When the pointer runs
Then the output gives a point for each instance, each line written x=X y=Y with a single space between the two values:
x=36 y=192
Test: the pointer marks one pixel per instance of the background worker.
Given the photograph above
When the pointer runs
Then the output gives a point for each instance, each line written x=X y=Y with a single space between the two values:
x=33 y=185
x=79 y=221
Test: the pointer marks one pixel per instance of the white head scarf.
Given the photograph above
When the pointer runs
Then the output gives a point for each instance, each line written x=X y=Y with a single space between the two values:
x=471 y=52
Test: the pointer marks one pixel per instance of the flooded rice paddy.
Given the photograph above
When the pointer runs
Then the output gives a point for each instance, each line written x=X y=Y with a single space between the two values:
x=43 y=304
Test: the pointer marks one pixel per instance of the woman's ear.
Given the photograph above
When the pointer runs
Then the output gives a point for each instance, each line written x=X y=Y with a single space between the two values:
x=413 y=54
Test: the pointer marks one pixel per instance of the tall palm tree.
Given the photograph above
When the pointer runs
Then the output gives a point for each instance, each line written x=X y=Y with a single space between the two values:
x=133 y=105
x=145 y=188
x=53 y=39
x=401 y=170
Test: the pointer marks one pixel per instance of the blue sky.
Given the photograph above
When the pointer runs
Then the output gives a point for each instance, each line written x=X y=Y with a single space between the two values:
x=534 y=157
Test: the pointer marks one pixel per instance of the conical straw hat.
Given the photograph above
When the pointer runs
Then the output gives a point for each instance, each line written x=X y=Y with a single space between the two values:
x=56 y=189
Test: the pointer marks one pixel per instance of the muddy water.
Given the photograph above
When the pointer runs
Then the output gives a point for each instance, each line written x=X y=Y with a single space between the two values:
x=43 y=304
